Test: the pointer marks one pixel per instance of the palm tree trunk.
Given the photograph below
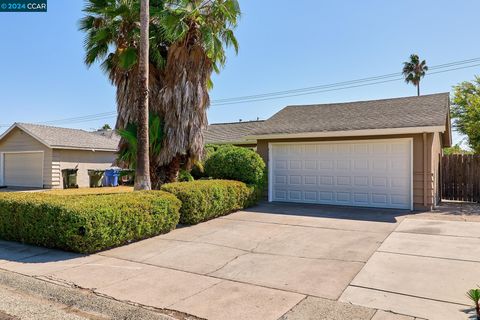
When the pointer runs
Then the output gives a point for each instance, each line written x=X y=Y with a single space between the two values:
x=142 y=176
x=184 y=100
x=418 y=89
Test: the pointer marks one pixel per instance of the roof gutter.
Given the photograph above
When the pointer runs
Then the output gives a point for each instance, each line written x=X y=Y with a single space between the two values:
x=239 y=142
x=348 y=133
x=84 y=149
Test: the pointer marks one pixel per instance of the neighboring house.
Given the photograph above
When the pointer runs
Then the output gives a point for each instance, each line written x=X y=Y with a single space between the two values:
x=34 y=155
x=381 y=153
x=232 y=133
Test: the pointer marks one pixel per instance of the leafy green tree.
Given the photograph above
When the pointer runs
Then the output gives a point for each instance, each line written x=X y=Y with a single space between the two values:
x=106 y=126
x=465 y=111
x=456 y=149
x=414 y=70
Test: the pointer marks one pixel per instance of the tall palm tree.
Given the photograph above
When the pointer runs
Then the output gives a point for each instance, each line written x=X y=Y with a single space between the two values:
x=112 y=38
x=200 y=31
x=414 y=70
x=188 y=39
x=142 y=174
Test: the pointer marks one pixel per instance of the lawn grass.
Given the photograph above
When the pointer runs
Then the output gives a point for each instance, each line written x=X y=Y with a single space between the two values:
x=86 y=191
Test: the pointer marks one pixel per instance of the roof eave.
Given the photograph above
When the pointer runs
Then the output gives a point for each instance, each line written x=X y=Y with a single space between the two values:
x=348 y=133
x=237 y=142
x=84 y=148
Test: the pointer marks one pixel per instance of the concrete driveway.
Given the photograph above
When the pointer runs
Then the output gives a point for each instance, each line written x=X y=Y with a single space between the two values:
x=255 y=264
x=278 y=261
x=423 y=269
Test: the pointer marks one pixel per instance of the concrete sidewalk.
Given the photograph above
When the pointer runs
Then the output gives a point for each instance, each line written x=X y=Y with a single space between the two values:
x=25 y=298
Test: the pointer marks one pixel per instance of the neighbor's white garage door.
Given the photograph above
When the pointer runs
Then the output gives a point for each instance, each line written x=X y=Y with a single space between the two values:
x=23 y=169
x=374 y=173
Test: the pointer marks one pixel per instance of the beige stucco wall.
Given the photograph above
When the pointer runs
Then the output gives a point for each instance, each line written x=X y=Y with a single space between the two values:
x=437 y=153
x=19 y=141
x=423 y=162
x=83 y=160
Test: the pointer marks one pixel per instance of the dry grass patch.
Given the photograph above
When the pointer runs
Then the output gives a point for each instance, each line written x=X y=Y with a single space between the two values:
x=87 y=191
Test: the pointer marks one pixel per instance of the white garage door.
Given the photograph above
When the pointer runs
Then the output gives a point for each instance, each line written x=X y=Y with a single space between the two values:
x=374 y=173
x=23 y=169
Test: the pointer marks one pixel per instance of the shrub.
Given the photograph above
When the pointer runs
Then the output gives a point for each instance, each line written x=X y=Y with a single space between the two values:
x=236 y=163
x=185 y=176
x=207 y=199
x=86 y=223
x=198 y=169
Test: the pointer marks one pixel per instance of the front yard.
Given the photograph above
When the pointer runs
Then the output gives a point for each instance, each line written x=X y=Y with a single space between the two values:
x=92 y=220
x=283 y=261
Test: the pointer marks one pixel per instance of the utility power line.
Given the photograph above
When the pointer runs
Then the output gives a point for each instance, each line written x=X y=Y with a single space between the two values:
x=331 y=89
x=356 y=83
x=344 y=83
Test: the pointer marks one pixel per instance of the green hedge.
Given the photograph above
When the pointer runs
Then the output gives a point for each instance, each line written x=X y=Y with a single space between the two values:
x=206 y=199
x=236 y=163
x=86 y=223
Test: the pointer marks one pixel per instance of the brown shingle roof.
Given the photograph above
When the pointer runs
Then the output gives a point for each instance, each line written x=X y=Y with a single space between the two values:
x=231 y=132
x=423 y=111
x=56 y=137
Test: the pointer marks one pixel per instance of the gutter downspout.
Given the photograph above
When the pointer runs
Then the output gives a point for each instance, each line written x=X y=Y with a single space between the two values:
x=425 y=166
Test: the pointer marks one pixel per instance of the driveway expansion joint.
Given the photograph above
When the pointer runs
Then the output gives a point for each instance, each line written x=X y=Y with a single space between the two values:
x=306 y=226
x=427 y=256
x=409 y=295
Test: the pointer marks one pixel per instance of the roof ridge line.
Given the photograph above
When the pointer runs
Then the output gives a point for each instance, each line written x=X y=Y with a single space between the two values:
x=365 y=101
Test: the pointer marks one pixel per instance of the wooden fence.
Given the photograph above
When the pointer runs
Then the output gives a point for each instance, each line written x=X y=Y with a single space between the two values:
x=460 y=177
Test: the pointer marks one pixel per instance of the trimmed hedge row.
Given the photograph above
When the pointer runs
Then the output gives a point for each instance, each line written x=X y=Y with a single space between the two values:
x=203 y=200
x=86 y=223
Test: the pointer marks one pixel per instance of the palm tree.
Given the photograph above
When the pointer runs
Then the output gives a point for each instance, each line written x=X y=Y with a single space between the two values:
x=414 y=70
x=200 y=31
x=127 y=156
x=142 y=174
x=474 y=295
x=112 y=38
x=188 y=39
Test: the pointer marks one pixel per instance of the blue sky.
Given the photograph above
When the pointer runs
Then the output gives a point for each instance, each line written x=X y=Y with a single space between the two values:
x=283 y=45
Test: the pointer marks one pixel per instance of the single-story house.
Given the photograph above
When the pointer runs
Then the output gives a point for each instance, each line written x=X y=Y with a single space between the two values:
x=380 y=153
x=34 y=155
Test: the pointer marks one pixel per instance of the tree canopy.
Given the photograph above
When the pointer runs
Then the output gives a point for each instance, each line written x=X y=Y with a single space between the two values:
x=456 y=149
x=414 y=70
x=465 y=111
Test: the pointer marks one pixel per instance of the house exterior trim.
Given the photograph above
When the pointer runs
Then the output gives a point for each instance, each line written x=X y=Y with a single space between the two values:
x=349 y=133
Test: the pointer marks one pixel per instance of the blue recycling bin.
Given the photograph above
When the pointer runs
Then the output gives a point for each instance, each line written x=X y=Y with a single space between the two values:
x=111 y=177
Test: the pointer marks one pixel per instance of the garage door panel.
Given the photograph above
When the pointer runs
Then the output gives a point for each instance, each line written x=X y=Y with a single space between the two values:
x=368 y=173
x=23 y=169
